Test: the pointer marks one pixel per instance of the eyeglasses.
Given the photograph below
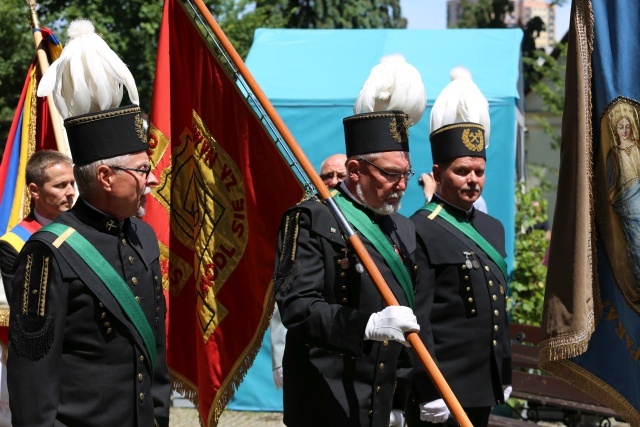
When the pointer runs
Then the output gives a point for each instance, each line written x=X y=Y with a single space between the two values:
x=145 y=171
x=391 y=176
x=327 y=176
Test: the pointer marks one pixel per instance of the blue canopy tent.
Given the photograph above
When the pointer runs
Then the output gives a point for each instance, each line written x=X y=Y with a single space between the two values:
x=312 y=77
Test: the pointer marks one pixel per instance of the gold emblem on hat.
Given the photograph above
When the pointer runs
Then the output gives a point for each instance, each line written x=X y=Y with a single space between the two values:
x=399 y=130
x=140 y=129
x=474 y=141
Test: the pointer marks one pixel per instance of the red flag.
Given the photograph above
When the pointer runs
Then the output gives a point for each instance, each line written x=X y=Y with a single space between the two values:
x=223 y=188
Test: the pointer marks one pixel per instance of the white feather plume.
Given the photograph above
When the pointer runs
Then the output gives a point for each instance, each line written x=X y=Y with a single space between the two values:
x=461 y=101
x=88 y=76
x=393 y=84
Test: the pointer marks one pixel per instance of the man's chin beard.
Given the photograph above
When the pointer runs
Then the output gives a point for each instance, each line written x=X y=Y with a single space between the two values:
x=385 y=209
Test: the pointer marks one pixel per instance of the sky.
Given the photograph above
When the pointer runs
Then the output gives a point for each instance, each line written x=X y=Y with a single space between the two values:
x=432 y=15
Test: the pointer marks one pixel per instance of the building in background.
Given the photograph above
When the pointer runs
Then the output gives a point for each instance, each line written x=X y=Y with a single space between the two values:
x=524 y=10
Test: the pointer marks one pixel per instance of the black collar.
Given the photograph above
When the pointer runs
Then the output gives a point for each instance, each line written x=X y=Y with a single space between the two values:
x=467 y=215
x=99 y=220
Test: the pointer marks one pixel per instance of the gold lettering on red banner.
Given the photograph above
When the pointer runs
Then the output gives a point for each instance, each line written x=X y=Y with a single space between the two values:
x=204 y=193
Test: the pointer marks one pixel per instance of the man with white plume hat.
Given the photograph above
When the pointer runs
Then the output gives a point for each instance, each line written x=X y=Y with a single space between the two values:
x=345 y=361
x=87 y=335
x=461 y=298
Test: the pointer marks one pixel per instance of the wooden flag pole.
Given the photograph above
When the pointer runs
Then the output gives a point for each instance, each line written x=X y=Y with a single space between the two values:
x=354 y=239
x=43 y=63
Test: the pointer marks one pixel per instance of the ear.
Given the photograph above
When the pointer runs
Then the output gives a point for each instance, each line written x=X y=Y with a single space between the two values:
x=353 y=170
x=105 y=175
x=33 y=191
x=437 y=173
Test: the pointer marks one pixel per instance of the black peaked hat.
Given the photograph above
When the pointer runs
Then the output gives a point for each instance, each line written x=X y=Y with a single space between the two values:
x=458 y=140
x=105 y=134
x=376 y=132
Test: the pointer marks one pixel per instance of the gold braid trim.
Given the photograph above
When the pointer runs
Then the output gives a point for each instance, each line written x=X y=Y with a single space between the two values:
x=31 y=139
x=296 y=231
x=589 y=383
x=566 y=346
x=25 y=286
x=43 y=286
x=186 y=388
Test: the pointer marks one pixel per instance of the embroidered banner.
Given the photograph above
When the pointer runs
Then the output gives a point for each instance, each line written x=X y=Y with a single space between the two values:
x=223 y=188
x=591 y=318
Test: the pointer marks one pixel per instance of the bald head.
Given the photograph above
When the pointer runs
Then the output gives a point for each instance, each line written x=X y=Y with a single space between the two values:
x=333 y=170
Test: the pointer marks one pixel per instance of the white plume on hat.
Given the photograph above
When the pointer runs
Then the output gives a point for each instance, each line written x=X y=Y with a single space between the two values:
x=393 y=84
x=461 y=101
x=88 y=76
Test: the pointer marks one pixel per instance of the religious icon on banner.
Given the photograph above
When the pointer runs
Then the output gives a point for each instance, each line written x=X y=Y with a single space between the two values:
x=619 y=213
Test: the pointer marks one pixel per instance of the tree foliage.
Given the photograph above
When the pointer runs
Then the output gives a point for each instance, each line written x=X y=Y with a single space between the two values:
x=547 y=81
x=130 y=27
x=529 y=275
x=337 y=13
x=484 y=13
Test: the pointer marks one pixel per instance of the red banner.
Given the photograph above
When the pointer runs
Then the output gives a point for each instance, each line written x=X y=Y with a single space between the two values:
x=223 y=188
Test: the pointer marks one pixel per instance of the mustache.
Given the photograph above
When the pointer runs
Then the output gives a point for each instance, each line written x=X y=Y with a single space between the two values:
x=396 y=195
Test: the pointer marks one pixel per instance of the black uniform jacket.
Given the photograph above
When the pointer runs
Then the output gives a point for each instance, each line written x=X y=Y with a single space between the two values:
x=461 y=310
x=74 y=357
x=332 y=376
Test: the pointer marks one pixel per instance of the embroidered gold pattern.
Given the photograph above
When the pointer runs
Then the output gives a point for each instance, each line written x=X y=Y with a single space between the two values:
x=140 y=129
x=474 y=141
x=25 y=289
x=44 y=276
x=296 y=231
x=399 y=131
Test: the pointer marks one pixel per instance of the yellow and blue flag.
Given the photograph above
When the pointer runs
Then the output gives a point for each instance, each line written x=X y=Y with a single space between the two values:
x=30 y=131
x=591 y=319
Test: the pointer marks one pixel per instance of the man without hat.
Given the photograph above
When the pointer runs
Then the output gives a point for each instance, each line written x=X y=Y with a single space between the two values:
x=461 y=298
x=51 y=186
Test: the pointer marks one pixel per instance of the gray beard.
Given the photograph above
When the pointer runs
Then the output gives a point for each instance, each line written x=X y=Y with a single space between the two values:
x=385 y=209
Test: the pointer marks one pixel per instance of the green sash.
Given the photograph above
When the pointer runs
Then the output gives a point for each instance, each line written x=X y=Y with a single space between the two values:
x=468 y=230
x=372 y=232
x=112 y=281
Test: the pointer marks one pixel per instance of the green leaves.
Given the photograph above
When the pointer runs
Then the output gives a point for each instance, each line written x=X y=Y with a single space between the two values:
x=529 y=275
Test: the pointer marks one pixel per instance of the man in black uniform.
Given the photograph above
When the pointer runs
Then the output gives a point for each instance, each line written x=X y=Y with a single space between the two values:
x=461 y=298
x=344 y=361
x=87 y=334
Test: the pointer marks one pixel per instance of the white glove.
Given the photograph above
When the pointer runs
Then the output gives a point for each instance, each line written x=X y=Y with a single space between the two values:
x=434 y=412
x=397 y=418
x=277 y=377
x=391 y=324
x=507 y=391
